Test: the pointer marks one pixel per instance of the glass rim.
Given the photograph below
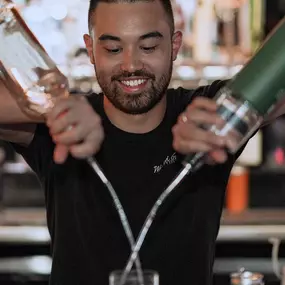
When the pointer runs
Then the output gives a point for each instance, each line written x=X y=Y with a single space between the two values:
x=134 y=271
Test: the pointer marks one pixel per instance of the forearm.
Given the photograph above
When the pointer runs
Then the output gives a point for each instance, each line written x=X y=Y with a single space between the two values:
x=18 y=133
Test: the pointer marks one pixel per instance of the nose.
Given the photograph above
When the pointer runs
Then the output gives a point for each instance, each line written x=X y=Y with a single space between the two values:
x=131 y=61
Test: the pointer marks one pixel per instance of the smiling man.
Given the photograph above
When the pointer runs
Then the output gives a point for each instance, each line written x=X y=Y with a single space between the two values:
x=139 y=130
x=132 y=45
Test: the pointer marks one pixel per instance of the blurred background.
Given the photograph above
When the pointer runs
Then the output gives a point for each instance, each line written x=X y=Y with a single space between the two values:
x=219 y=37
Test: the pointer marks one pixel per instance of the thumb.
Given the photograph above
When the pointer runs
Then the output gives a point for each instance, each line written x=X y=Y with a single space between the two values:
x=60 y=153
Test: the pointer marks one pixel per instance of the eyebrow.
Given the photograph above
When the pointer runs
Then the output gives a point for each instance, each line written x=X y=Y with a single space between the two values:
x=151 y=35
x=107 y=37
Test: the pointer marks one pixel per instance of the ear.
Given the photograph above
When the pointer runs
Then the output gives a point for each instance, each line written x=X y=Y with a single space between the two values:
x=176 y=44
x=89 y=46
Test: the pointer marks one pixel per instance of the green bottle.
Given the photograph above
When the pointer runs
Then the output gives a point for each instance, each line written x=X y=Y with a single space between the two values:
x=246 y=100
x=262 y=80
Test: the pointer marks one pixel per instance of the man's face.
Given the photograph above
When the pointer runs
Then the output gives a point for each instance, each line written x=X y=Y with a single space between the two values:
x=132 y=49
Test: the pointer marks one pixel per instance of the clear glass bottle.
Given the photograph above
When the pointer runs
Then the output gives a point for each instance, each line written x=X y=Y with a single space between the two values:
x=25 y=67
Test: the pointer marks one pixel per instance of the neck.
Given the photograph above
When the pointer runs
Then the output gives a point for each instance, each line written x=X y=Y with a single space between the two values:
x=139 y=124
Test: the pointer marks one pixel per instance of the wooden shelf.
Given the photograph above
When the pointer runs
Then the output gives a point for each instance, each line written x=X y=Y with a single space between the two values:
x=255 y=217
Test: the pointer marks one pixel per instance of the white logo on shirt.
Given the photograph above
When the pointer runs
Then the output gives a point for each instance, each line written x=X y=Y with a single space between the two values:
x=168 y=160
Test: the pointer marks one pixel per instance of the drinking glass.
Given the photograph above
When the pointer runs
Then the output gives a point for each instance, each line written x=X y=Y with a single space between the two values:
x=149 y=277
x=244 y=277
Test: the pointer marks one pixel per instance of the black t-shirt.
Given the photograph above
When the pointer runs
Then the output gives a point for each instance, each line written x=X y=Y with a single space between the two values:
x=88 y=241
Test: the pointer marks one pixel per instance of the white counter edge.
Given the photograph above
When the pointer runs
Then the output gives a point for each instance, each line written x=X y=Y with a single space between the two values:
x=40 y=234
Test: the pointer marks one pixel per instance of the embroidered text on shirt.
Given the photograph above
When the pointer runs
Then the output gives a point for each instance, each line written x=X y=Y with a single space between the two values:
x=169 y=160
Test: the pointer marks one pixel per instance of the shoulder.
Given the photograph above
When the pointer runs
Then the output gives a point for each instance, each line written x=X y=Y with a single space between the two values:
x=96 y=101
x=210 y=90
x=182 y=97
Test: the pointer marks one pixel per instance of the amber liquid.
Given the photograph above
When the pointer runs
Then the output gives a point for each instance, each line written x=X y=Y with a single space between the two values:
x=39 y=97
x=27 y=71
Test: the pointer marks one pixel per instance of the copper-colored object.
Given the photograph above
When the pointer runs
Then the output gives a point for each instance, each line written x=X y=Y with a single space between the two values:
x=25 y=67
x=244 y=277
x=237 y=197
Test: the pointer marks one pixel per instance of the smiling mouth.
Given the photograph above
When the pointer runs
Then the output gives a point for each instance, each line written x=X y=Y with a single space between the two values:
x=133 y=85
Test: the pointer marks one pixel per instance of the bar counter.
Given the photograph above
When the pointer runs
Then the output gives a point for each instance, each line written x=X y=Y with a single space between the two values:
x=243 y=242
x=28 y=226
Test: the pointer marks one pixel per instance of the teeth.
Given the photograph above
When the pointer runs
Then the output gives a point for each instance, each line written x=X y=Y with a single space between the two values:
x=134 y=83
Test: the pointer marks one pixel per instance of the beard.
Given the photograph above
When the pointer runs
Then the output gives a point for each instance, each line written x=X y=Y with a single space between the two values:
x=138 y=103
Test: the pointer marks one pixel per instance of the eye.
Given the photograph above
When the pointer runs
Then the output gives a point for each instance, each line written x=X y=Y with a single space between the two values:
x=149 y=49
x=113 y=51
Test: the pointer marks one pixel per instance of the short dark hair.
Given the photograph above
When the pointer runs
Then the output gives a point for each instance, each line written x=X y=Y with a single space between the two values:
x=165 y=3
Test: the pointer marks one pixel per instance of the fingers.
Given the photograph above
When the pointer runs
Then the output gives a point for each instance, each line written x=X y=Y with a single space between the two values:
x=200 y=117
x=203 y=103
x=184 y=146
x=87 y=147
x=75 y=128
x=218 y=155
x=62 y=105
x=60 y=153
x=191 y=133
x=63 y=122
x=204 y=141
x=78 y=132
x=72 y=120
x=188 y=138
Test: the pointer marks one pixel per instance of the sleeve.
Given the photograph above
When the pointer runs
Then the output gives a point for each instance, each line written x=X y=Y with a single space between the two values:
x=39 y=153
x=210 y=90
x=184 y=97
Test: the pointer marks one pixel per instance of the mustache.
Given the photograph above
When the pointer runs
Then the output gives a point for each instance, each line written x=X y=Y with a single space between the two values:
x=137 y=73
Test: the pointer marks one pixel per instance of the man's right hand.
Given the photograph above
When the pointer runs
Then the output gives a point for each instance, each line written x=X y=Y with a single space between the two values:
x=75 y=128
